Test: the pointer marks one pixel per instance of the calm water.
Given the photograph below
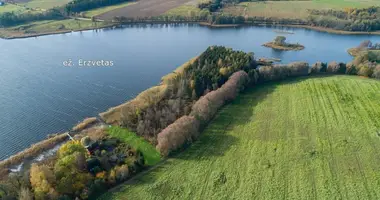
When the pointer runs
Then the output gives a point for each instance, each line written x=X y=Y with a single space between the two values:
x=39 y=96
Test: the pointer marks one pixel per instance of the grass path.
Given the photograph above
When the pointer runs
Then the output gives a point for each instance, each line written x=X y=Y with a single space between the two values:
x=151 y=155
x=313 y=138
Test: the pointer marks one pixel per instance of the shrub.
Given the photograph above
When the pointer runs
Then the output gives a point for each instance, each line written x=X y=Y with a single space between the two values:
x=234 y=85
x=25 y=194
x=333 y=67
x=70 y=170
x=42 y=180
x=298 y=69
x=351 y=69
x=376 y=72
x=316 y=68
x=121 y=173
x=253 y=76
x=96 y=188
x=85 y=141
x=207 y=106
x=364 y=70
x=70 y=148
x=175 y=135
x=273 y=73
x=186 y=128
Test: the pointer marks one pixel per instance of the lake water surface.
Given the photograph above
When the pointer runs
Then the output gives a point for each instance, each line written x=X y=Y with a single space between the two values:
x=39 y=95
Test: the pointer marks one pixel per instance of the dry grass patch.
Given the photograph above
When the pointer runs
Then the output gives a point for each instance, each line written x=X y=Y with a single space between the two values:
x=85 y=124
x=33 y=151
x=145 y=98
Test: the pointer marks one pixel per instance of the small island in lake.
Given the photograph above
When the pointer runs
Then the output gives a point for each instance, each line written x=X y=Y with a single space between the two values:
x=280 y=44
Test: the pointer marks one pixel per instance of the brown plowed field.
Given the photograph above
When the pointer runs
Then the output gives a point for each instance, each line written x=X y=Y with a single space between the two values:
x=144 y=8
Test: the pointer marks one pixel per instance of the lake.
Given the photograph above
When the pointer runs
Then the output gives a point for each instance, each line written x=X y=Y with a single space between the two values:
x=40 y=96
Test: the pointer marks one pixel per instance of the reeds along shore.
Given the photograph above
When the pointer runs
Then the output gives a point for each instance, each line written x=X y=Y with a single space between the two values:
x=38 y=148
x=146 y=103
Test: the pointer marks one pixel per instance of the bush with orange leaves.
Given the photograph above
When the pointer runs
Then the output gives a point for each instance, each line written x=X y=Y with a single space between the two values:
x=207 y=106
x=183 y=130
x=186 y=128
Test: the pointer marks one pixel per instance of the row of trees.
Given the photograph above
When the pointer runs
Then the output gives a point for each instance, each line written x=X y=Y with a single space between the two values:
x=279 y=72
x=366 y=70
x=215 y=5
x=203 y=16
x=156 y=108
x=350 y=19
x=12 y=18
x=77 y=6
x=187 y=128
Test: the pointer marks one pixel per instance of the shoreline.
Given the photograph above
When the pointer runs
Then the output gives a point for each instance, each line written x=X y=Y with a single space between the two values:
x=330 y=30
x=46 y=143
x=284 y=48
x=36 y=149
x=20 y=35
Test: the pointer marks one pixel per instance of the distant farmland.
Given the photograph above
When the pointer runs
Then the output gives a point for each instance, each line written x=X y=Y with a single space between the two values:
x=144 y=8
x=313 y=138
x=294 y=9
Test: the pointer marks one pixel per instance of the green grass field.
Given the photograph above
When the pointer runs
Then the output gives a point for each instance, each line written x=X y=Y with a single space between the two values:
x=99 y=11
x=11 y=8
x=313 y=138
x=294 y=9
x=50 y=26
x=184 y=10
x=45 y=4
x=151 y=155
x=281 y=9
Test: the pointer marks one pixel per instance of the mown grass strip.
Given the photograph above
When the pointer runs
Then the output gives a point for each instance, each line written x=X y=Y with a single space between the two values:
x=151 y=155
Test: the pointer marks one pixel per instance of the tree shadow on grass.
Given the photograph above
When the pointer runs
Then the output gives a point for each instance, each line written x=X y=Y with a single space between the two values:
x=215 y=139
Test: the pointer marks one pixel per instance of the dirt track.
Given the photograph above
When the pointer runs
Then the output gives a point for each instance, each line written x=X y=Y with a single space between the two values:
x=144 y=8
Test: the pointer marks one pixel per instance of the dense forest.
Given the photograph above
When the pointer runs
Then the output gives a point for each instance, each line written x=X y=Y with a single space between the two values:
x=212 y=69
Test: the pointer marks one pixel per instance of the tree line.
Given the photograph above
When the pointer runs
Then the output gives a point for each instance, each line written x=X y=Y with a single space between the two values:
x=351 y=19
x=171 y=116
x=156 y=108
x=12 y=18
x=77 y=6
